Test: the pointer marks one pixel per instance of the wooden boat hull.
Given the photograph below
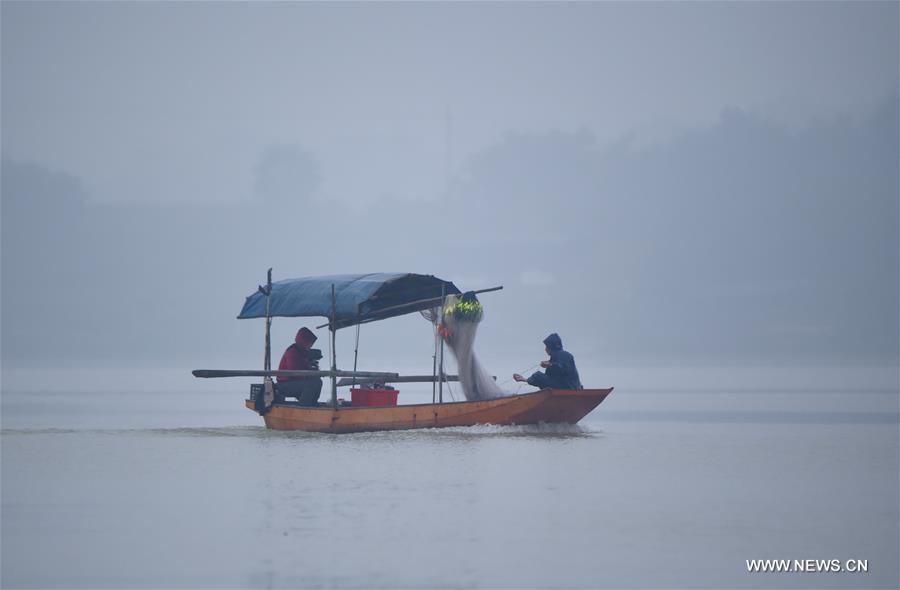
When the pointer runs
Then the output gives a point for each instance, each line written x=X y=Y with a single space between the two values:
x=565 y=406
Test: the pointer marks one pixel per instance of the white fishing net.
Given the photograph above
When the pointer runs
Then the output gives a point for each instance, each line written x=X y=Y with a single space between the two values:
x=459 y=327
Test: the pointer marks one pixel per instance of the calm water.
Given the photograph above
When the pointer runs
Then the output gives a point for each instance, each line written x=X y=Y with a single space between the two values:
x=656 y=489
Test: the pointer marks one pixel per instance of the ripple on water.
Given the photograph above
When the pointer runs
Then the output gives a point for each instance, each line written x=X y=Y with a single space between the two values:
x=476 y=431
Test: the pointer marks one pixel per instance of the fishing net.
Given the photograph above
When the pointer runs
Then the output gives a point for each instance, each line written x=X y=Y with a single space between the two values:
x=461 y=318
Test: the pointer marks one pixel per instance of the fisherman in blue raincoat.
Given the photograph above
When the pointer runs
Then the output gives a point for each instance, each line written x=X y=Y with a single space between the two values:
x=560 y=371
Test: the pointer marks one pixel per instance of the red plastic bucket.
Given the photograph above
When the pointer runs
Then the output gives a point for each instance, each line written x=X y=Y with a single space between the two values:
x=373 y=397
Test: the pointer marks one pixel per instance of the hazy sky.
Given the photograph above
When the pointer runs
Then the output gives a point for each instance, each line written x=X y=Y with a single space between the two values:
x=178 y=102
x=711 y=181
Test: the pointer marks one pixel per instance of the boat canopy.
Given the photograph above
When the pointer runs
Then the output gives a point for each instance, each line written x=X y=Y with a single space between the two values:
x=359 y=298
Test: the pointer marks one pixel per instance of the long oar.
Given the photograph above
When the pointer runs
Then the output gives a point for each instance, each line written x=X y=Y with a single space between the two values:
x=396 y=379
x=208 y=373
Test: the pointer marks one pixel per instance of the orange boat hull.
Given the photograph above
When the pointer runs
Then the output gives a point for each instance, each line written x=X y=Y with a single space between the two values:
x=565 y=406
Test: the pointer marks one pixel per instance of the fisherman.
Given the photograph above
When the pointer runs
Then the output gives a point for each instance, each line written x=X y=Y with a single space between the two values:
x=300 y=356
x=560 y=370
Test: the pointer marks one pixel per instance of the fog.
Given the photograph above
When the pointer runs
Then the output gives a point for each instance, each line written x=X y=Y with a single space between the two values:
x=683 y=184
x=702 y=199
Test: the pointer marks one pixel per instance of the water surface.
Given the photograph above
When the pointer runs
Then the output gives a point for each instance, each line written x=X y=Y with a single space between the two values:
x=653 y=489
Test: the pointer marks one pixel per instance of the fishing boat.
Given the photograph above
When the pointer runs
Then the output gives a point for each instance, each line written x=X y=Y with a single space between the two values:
x=351 y=301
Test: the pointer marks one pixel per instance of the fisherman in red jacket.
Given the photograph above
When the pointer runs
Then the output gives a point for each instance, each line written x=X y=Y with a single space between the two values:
x=299 y=357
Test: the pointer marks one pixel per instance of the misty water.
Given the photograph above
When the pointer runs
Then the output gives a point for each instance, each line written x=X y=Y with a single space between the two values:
x=655 y=488
x=656 y=182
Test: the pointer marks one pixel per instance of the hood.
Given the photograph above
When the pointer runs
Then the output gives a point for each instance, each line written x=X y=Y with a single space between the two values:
x=305 y=338
x=553 y=342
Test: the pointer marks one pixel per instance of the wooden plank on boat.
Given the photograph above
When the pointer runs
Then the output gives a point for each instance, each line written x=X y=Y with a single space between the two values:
x=208 y=373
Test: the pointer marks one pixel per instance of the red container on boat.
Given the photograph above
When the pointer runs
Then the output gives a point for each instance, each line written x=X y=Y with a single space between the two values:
x=373 y=397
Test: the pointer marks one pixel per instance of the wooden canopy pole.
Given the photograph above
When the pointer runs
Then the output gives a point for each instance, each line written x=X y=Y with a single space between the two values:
x=441 y=358
x=268 y=384
x=356 y=352
x=267 y=291
x=333 y=328
x=437 y=335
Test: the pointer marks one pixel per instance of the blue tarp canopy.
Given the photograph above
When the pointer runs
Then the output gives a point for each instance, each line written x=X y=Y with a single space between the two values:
x=358 y=298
